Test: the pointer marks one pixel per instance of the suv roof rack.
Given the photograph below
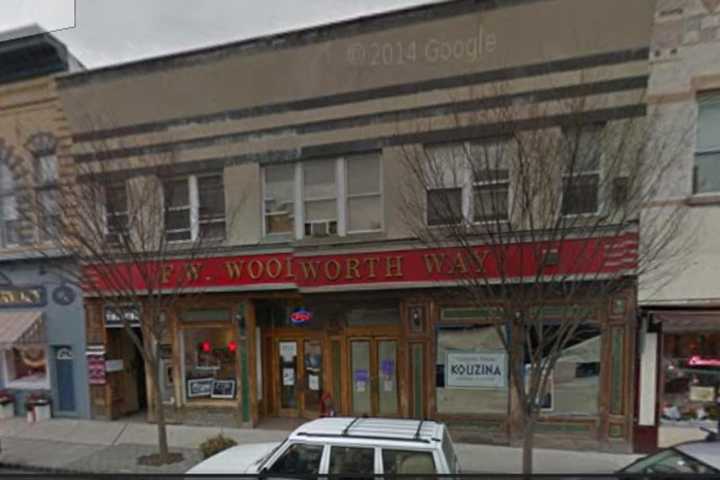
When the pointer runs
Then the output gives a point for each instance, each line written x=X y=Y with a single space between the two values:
x=346 y=433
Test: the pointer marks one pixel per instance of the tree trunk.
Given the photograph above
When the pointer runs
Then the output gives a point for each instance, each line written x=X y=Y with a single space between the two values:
x=160 y=415
x=528 y=444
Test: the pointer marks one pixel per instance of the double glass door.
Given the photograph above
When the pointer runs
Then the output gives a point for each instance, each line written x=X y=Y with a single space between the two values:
x=374 y=382
x=300 y=377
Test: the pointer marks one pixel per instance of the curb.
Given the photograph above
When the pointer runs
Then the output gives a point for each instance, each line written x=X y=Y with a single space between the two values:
x=41 y=469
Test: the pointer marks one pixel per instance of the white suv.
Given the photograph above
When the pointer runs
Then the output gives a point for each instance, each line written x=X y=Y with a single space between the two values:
x=339 y=446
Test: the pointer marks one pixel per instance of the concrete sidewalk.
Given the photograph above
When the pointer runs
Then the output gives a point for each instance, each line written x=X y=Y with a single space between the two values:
x=113 y=447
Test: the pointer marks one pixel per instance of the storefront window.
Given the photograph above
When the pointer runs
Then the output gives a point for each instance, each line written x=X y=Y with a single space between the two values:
x=472 y=370
x=26 y=367
x=210 y=363
x=574 y=385
x=692 y=376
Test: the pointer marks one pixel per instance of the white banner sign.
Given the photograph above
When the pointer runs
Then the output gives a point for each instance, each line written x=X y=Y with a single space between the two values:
x=476 y=370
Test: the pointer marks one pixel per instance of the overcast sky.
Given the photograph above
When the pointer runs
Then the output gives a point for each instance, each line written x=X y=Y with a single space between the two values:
x=113 y=31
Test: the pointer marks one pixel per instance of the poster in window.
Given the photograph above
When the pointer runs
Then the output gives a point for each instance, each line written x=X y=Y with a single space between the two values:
x=288 y=377
x=200 y=387
x=702 y=394
x=96 y=369
x=223 y=389
x=476 y=370
x=288 y=351
x=314 y=382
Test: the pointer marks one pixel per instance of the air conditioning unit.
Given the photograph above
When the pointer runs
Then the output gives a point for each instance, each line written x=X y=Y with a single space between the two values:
x=322 y=228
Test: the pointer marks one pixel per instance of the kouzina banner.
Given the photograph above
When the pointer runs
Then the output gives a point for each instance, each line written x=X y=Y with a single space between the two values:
x=476 y=370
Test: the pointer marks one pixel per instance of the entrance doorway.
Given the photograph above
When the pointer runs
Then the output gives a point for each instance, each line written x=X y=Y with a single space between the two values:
x=373 y=376
x=126 y=374
x=300 y=376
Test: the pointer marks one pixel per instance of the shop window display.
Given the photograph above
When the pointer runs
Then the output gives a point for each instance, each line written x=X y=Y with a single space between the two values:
x=691 y=371
x=573 y=387
x=26 y=367
x=210 y=363
x=472 y=370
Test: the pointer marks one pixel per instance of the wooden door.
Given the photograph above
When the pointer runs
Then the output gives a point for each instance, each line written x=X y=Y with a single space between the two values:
x=299 y=377
x=374 y=386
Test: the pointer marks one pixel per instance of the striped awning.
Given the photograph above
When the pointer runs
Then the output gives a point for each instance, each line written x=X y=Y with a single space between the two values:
x=688 y=321
x=25 y=328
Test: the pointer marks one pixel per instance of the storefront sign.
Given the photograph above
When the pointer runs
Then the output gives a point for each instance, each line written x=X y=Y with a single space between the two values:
x=415 y=266
x=115 y=317
x=288 y=351
x=300 y=316
x=698 y=361
x=475 y=370
x=96 y=368
x=14 y=297
x=702 y=394
x=114 y=366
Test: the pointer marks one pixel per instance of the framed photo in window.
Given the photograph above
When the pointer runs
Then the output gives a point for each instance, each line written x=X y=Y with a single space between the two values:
x=223 y=389
x=200 y=387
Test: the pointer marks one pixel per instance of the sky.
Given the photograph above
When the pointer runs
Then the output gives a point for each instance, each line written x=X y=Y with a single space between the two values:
x=104 y=32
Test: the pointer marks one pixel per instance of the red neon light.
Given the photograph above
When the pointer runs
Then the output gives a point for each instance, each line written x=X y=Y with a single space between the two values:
x=698 y=361
x=205 y=346
x=232 y=346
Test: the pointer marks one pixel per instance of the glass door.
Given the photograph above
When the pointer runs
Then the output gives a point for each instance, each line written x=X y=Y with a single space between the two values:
x=373 y=364
x=312 y=378
x=287 y=377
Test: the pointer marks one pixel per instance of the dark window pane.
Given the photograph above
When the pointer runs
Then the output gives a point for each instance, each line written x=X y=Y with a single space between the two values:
x=212 y=197
x=298 y=459
x=177 y=193
x=707 y=172
x=490 y=203
x=214 y=230
x=178 y=236
x=399 y=462
x=580 y=194
x=352 y=461
x=177 y=219
x=444 y=206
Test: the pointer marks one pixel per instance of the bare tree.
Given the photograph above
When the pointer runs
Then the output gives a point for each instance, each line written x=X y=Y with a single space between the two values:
x=553 y=207
x=133 y=241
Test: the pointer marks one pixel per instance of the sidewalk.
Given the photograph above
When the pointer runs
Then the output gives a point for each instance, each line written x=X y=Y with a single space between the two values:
x=113 y=447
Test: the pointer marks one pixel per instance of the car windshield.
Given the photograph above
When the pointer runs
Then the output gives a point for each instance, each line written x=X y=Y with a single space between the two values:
x=265 y=457
x=669 y=461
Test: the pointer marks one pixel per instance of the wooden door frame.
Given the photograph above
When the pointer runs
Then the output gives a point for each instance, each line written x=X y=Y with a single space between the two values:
x=275 y=336
x=374 y=374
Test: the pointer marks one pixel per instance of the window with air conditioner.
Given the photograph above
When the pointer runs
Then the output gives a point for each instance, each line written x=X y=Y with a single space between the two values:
x=325 y=197
x=320 y=197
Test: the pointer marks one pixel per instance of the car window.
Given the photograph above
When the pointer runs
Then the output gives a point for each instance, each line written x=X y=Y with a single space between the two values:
x=398 y=462
x=298 y=459
x=449 y=451
x=352 y=461
x=669 y=461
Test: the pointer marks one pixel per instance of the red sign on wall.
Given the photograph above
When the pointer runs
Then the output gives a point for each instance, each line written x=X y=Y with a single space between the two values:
x=415 y=267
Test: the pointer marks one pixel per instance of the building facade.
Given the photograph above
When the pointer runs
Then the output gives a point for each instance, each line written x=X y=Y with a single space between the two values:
x=681 y=308
x=41 y=313
x=316 y=295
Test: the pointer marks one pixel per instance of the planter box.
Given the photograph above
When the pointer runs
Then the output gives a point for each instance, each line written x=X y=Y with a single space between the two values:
x=7 y=410
x=38 y=413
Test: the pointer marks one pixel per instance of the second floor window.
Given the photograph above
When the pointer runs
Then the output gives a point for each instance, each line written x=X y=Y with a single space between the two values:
x=468 y=182
x=9 y=221
x=324 y=197
x=194 y=208
x=707 y=152
x=581 y=180
x=116 y=211
x=49 y=213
